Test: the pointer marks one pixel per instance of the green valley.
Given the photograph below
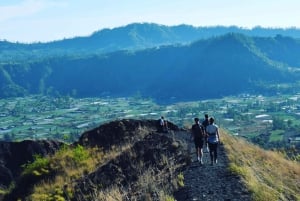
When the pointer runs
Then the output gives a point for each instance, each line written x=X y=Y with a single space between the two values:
x=272 y=122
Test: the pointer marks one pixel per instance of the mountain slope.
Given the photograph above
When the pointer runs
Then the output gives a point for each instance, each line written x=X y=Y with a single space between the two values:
x=146 y=165
x=229 y=65
x=267 y=174
x=244 y=172
x=123 y=152
x=280 y=48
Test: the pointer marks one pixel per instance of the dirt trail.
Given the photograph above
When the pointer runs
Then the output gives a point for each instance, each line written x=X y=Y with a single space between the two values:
x=207 y=182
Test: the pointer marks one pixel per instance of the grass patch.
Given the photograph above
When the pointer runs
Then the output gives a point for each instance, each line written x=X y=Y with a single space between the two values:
x=69 y=164
x=150 y=183
x=80 y=154
x=38 y=167
x=251 y=135
x=2 y=192
x=169 y=198
x=276 y=135
x=268 y=175
x=180 y=179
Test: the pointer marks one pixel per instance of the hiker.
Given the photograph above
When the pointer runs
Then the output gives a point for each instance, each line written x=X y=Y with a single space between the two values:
x=213 y=140
x=197 y=134
x=163 y=125
x=205 y=123
x=166 y=128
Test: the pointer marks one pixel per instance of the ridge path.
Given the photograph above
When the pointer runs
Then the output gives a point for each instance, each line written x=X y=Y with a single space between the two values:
x=209 y=182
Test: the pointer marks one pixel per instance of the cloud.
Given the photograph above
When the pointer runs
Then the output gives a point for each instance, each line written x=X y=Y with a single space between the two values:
x=27 y=8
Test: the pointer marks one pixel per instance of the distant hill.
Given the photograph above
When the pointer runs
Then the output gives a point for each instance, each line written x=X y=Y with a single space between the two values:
x=135 y=36
x=226 y=65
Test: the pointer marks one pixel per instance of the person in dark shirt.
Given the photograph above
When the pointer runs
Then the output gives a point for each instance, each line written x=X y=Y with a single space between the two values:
x=197 y=134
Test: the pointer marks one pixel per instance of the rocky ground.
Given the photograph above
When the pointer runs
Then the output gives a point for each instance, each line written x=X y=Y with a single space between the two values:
x=209 y=182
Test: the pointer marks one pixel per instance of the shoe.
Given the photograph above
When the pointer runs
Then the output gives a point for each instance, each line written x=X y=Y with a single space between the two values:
x=216 y=161
x=201 y=162
x=198 y=159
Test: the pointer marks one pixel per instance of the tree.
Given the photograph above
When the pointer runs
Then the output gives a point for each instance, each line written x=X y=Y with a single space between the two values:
x=278 y=123
x=289 y=123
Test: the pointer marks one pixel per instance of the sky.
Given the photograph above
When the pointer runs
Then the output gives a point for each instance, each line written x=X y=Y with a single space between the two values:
x=48 y=20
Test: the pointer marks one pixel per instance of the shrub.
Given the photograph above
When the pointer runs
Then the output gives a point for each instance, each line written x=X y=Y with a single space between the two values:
x=180 y=180
x=38 y=167
x=169 y=198
x=80 y=154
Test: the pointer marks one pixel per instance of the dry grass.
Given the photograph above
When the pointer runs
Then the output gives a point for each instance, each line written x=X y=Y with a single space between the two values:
x=151 y=185
x=69 y=169
x=267 y=174
x=112 y=194
x=70 y=164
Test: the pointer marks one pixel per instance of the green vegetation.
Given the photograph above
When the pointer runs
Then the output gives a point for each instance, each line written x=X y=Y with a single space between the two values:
x=248 y=64
x=38 y=167
x=57 y=194
x=272 y=122
x=80 y=154
x=180 y=180
x=69 y=164
x=276 y=135
x=169 y=198
x=266 y=173
x=68 y=169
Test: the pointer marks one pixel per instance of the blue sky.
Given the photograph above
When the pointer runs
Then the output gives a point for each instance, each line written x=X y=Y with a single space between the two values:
x=48 y=20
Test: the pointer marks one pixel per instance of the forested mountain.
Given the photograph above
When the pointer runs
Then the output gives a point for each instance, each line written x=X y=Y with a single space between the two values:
x=208 y=68
x=131 y=37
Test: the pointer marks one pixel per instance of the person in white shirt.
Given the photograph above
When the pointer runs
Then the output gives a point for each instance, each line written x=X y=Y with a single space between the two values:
x=163 y=125
x=213 y=140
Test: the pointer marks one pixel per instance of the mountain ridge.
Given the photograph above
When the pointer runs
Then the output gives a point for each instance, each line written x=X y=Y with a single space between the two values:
x=140 y=155
x=235 y=60
x=133 y=36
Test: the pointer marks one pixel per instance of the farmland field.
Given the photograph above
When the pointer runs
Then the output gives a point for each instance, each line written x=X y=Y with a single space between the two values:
x=66 y=118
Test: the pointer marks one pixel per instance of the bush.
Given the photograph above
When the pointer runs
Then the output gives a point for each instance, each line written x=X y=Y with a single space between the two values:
x=169 y=198
x=38 y=167
x=180 y=180
x=80 y=154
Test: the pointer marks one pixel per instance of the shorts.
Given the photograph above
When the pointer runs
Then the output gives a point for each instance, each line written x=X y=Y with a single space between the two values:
x=198 y=143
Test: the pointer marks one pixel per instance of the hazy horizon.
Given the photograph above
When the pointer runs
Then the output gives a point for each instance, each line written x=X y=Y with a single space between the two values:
x=48 y=20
